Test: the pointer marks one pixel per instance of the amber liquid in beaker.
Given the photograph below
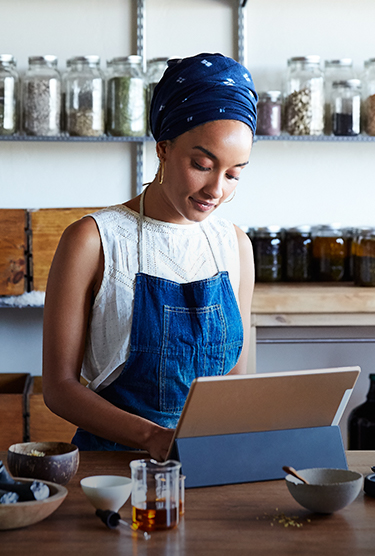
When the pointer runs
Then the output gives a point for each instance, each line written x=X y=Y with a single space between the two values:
x=152 y=518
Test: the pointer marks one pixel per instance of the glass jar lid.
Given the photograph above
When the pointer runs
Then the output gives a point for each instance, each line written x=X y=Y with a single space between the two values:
x=274 y=96
x=328 y=229
x=7 y=59
x=48 y=59
x=158 y=60
x=340 y=62
x=91 y=60
x=273 y=230
x=313 y=59
x=303 y=229
x=132 y=59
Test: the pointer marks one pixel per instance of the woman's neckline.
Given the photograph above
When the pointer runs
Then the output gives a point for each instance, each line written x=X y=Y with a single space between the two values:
x=161 y=223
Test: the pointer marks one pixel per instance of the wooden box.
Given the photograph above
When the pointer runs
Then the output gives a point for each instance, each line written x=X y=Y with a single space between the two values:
x=47 y=226
x=14 y=388
x=13 y=247
x=43 y=425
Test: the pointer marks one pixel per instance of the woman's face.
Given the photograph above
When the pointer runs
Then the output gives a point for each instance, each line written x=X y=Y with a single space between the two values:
x=202 y=168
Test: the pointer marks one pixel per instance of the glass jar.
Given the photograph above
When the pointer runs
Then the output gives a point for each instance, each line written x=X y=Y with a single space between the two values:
x=364 y=257
x=84 y=104
x=304 y=96
x=9 y=83
x=334 y=70
x=269 y=113
x=346 y=107
x=329 y=253
x=361 y=422
x=41 y=97
x=369 y=96
x=155 y=69
x=126 y=97
x=298 y=254
x=268 y=253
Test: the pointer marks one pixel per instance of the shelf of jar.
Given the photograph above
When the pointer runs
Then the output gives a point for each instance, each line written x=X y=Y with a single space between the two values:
x=68 y=138
x=317 y=138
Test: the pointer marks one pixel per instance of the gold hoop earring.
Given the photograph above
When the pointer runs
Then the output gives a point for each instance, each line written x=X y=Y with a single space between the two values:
x=161 y=172
x=231 y=199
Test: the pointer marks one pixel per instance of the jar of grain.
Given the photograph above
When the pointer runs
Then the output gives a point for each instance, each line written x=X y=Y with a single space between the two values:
x=126 y=97
x=269 y=113
x=41 y=97
x=364 y=257
x=330 y=251
x=334 y=70
x=268 y=253
x=346 y=107
x=9 y=83
x=369 y=97
x=304 y=96
x=84 y=90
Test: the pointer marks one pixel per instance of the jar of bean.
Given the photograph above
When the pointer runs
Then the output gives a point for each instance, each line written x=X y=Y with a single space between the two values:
x=84 y=90
x=330 y=251
x=126 y=97
x=9 y=83
x=269 y=113
x=364 y=257
x=298 y=254
x=304 y=96
x=334 y=70
x=41 y=97
x=346 y=107
x=268 y=253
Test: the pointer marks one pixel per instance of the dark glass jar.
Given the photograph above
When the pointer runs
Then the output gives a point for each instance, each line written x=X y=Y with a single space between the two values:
x=298 y=254
x=329 y=253
x=268 y=254
x=334 y=70
x=364 y=257
x=346 y=107
x=361 y=422
x=269 y=113
x=349 y=234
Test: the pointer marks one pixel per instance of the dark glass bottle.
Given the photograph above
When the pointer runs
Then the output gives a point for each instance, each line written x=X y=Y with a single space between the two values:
x=361 y=422
x=268 y=254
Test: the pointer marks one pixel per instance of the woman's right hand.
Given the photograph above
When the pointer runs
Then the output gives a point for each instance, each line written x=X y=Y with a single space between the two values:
x=159 y=443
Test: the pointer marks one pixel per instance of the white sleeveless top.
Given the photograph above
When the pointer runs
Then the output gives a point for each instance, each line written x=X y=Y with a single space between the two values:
x=176 y=252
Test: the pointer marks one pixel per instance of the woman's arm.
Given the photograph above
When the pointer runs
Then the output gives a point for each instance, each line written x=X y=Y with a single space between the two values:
x=73 y=282
x=245 y=296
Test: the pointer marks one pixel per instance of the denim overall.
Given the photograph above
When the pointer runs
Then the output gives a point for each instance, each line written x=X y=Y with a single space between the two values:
x=179 y=332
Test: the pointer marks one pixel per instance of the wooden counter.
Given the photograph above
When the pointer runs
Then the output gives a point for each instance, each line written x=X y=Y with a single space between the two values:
x=253 y=518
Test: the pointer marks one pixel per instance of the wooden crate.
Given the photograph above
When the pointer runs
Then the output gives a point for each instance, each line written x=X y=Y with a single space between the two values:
x=14 y=389
x=13 y=245
x=47 y=226
x=43 y=425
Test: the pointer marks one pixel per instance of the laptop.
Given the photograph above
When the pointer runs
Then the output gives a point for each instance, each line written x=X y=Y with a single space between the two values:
x=232 y=407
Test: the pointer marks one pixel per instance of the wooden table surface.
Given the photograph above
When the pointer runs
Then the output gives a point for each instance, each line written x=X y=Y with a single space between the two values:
x=253 y=518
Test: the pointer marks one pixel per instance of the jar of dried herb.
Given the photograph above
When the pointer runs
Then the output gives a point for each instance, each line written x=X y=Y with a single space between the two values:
x=126 y=97
x=155 y=69
x=268 y=246
x=41 y=97
x=298 y=254
x=85 y=96
x=369 y=97
x=9 y=83
x=304 y=96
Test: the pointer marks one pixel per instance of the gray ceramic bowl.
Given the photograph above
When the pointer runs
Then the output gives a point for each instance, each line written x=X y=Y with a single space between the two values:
x=48 y=461
x=329 y=489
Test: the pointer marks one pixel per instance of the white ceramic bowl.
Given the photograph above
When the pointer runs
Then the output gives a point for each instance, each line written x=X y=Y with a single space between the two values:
x=107 y=492
x=329 y=489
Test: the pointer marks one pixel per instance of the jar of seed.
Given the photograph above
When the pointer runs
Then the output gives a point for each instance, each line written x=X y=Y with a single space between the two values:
x=330 y=252
x=304 y=96
x=126 y=97
x=334 y=70
x=298 y=254
x=268 y=253
x=41 y=97
x=9 y=83
x=369 y=96
x=84 y=104
x=364 y=257
x=269 y=113
x=346 y=107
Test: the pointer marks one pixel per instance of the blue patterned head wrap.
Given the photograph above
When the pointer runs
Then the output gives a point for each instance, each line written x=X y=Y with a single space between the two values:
x=200 y=89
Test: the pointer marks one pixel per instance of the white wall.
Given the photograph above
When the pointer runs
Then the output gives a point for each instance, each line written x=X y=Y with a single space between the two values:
x=286 y=183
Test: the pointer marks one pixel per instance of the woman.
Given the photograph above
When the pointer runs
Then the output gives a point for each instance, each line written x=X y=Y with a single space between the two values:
x=143 y=297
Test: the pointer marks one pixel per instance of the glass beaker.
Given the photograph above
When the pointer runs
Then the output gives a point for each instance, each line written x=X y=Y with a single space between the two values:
x=155 y=494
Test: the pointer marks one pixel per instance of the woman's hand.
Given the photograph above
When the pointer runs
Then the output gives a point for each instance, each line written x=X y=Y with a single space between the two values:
x=159 y=442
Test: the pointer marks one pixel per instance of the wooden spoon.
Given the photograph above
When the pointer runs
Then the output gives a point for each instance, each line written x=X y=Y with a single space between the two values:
x=293 y=472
